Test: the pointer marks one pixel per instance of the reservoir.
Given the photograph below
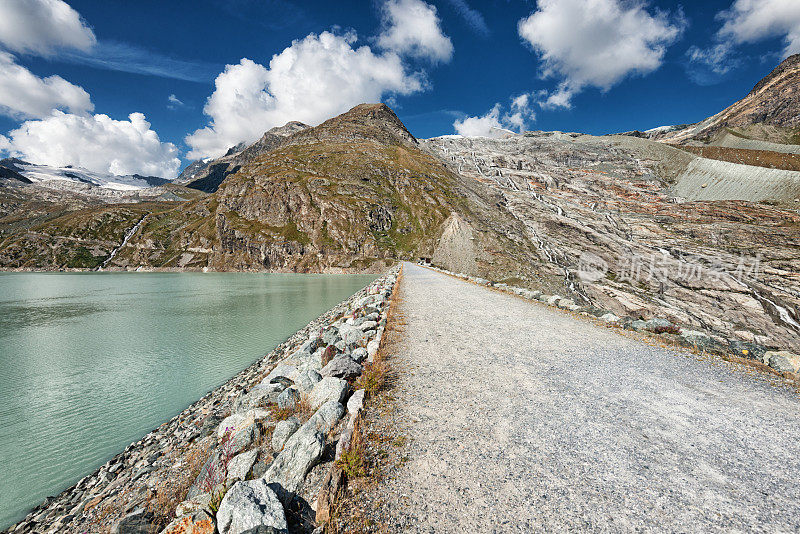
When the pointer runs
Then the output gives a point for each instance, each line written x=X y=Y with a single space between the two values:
x=90 y=362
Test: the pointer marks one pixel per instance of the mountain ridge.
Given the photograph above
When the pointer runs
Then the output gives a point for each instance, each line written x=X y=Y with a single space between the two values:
x=767 y=118
x=350 y=193
x=207 y=175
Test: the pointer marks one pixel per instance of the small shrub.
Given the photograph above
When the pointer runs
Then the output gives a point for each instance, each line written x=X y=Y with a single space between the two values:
x=216 y=499
x=280 y=414
x=174 y=488
x=218 y=470
x=352 y=462
x=374 y=378
x=302 y=410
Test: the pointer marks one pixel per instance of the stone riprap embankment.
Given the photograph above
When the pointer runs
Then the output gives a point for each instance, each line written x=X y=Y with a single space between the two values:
x=251 y=454
x=782 y=361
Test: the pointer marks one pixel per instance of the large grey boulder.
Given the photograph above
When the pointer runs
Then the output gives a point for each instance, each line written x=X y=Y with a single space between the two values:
x=747 y=350
x=282 y=370
x=248 y=505
x=656 y=324
x=242 y=439
x=241 y=464
x=359 y=354
x=609 y=318
x=307 y=380
x=241 y=420
x=356 y=402
x=327 y=389
x=330 y=336
x=299 y=455
x=353 y=336
x=637 y=325
x=315 y=361
x=566 y=303
x=325 y=418
x=283 y=431
x=259 y=397
x=311 y=344
x=342 y=366
x=289 y=398
x=698 y=339
x=368 y=325
x=783 y=361
x=139 y=521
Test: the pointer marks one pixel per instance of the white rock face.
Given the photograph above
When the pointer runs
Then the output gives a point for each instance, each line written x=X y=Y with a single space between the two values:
x=283 y=431
x=610 y=318
x=282 y=370
x=239 y=421
x=372 y=348
x=241 y=464
x=249 y=505
x=327 y=389
x=356 y=402
x=300 y=453
x=326 y=417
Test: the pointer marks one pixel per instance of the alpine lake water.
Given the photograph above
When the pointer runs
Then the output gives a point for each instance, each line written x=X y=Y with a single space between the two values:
x=90 y=362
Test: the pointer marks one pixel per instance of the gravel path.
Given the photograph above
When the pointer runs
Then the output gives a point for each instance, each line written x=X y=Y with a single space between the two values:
x=522 y=418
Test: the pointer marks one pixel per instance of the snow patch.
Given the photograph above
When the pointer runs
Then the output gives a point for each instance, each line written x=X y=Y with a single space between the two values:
x=44 y=173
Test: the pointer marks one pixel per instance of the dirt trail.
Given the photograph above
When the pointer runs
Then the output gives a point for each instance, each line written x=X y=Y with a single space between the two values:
x=523 y=418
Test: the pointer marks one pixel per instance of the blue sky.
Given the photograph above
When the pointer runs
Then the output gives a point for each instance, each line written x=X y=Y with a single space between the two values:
x=594 y=66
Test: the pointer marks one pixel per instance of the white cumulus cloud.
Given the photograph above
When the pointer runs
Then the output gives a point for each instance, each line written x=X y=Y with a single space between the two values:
x=496 y=123
x=597 y=42
x=746 y=21
x=312 y=80
x=487 y=125
x=749 y=21
x=42 y=26
x=95 y=142
x=23 y=95
x=320 y=76
x=412 y=27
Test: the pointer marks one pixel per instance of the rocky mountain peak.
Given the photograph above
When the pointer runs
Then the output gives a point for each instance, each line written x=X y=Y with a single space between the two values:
x=769 y=113
x=370 y=122
x=288 y=129
x=789 y=66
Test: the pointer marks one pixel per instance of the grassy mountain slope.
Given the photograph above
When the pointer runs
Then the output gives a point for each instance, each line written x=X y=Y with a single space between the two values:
x=351 y=194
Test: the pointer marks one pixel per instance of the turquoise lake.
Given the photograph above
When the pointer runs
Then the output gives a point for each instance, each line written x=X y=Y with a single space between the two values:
x=90 y=362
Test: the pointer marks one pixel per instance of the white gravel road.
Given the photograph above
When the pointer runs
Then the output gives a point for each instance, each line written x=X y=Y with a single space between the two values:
x=522 y=418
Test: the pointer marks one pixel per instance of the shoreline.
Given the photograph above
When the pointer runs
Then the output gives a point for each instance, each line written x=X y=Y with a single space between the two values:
x=75 y=508
x=381 y=266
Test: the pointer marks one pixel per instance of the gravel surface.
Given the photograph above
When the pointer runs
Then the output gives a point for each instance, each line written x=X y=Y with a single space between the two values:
x=525 y=418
